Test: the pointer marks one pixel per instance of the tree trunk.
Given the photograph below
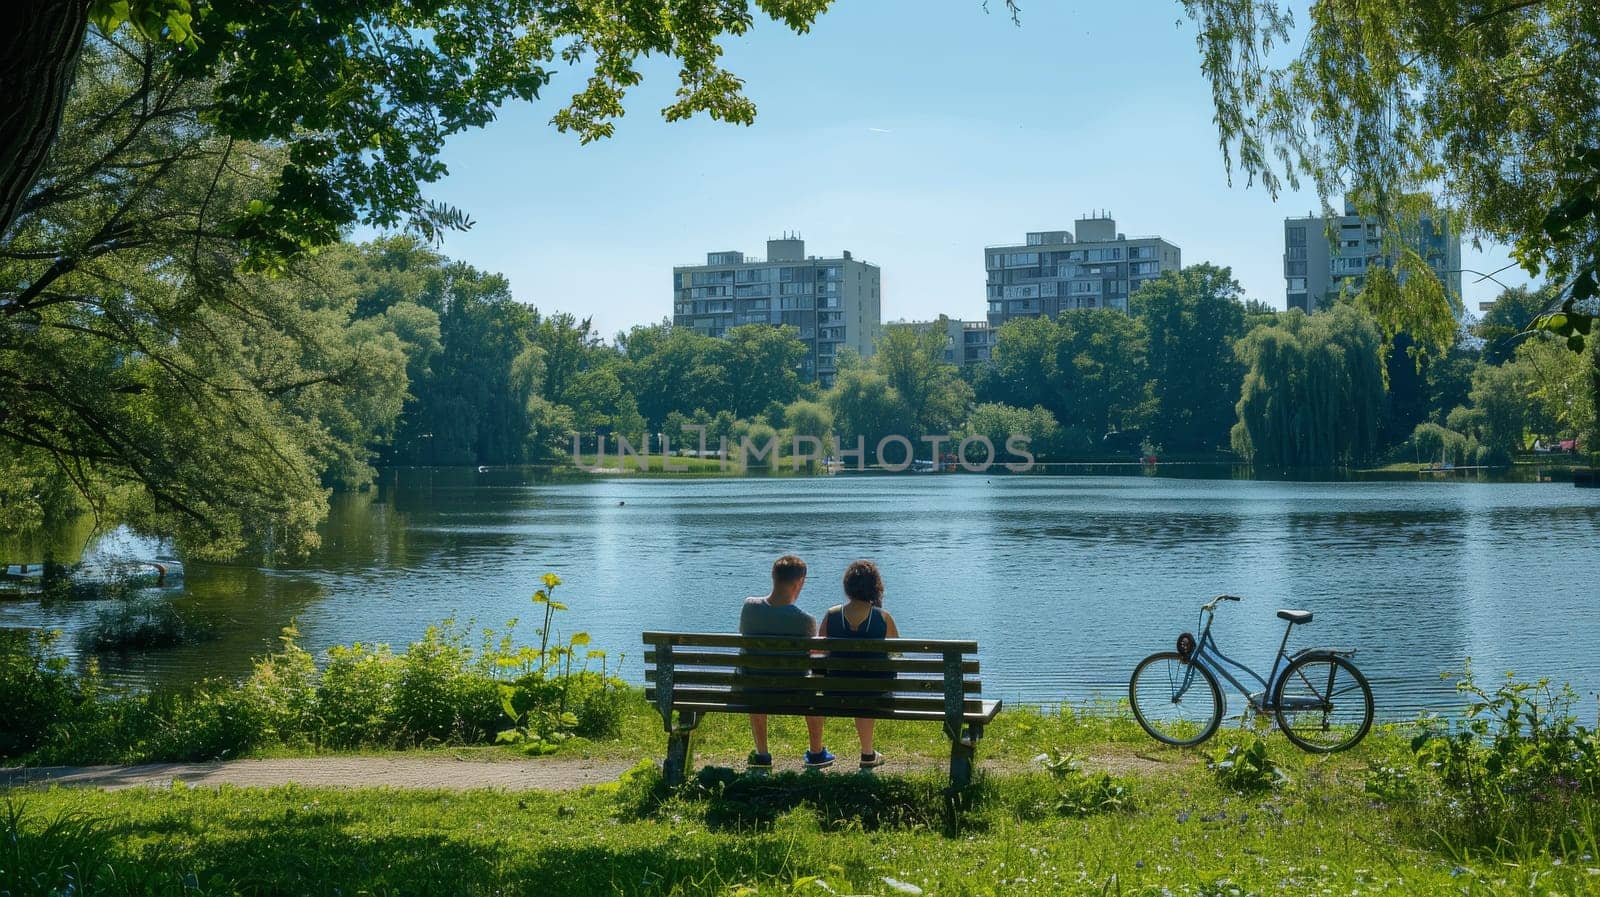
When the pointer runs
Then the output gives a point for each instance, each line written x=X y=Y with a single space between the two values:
x=39 y=45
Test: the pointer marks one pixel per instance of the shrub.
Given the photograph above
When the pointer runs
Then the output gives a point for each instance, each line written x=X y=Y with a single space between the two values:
x=439 y=695
x=215 y=721
x=438 y=690
x=1514 y=770
x=40 y=691
x=140 y=623
x=280 y=692
x=356 y=697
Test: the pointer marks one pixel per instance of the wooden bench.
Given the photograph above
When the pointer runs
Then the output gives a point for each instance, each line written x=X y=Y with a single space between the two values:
x=692 y=674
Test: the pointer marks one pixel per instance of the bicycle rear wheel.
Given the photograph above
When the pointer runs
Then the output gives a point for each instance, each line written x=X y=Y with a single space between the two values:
x=1176 y=702
x=1323 y=703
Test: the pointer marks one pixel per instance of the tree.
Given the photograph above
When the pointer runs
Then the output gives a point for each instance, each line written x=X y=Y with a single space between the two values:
x=866 y=407
x=1557 y=380
x=1193 y=317
x=466 y=406
x=363 y=93
x=1313 y=390
x=998 y=423
x=935 y=396
x=1449 y=380
x=1086 y=367
x=1506 y=321
x=810 y=419
x=762 y=365
x=1501 y=402
x=673 y=370
x=1101 y=369
x=1492 y=104
x=138 y=366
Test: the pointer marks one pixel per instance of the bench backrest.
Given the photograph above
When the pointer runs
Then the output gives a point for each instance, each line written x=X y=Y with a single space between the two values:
x=719 y=673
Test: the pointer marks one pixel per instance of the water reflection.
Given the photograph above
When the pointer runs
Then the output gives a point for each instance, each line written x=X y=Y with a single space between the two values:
x=1064 y=581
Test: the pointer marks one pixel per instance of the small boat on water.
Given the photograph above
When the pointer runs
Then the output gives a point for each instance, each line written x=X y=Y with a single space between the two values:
x=160 y=573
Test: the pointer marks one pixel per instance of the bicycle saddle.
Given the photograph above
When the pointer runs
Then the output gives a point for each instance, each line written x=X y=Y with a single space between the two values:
x=1295 y=616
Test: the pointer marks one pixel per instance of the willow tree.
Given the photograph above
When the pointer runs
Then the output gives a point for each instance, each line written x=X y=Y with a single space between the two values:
x=1489 y=105
x=140 y=373
x=1313 y=390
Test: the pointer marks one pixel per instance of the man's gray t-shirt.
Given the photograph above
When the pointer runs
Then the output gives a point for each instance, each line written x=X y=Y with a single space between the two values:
x=757 y=617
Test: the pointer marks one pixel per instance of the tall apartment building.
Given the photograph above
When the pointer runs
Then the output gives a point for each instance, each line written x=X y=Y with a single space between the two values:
x=1093 y=266
x=833 y=302
x=1316 y=267
x=965 y=342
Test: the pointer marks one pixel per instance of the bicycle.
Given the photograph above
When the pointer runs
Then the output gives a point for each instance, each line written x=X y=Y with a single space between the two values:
x=1319 y=699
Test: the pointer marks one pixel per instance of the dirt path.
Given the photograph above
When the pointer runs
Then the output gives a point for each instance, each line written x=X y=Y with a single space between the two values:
x=436 y=771
x=336 y=772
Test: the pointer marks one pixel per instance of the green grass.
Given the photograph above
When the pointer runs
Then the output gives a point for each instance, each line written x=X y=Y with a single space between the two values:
x=1178 y=831
x=748 y=836
x=653 y=465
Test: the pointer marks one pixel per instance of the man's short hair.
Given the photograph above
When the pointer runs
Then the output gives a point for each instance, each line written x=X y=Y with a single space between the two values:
x=787 y=569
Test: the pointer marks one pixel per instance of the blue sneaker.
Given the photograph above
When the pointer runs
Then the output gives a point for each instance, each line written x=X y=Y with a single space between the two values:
x=758 y=760
x=819 y=761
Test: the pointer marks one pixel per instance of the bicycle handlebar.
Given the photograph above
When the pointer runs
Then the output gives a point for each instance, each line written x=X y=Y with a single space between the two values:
x=1212 y=604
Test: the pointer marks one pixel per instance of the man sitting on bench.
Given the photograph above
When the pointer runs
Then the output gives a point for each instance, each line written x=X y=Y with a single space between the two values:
x=776 y=615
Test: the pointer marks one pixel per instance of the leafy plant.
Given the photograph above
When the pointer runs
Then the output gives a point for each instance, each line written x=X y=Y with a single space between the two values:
x=1512 y=769
x=1079 y=793
x=1246 y=767
x=549 y=701
x=1392 y=785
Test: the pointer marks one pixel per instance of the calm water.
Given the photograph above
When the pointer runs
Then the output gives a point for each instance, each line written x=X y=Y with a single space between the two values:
x=1064 y=581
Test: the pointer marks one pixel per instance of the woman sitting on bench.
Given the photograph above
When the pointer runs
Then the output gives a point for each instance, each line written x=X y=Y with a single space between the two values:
x=861 y=617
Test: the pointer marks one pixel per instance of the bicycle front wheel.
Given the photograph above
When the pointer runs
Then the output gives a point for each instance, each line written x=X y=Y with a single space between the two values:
x=1176 y=702
x=1323 y=703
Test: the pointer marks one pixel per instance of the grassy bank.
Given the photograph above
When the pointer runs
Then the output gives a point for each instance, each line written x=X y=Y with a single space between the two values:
x=1505 y=801
x=1175 y=830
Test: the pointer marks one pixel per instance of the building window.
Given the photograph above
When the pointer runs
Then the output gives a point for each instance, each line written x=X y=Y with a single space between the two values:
x=1297 y=284
x=1295 y=236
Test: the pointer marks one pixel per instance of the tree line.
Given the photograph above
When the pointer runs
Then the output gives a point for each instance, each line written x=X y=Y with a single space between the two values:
x=186 y=345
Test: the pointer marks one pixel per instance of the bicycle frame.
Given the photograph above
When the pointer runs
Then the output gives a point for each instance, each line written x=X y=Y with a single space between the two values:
x=1207 y=654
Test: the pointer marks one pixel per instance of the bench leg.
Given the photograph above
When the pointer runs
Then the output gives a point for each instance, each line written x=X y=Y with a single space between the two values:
x=962 y=750
x=680 y=750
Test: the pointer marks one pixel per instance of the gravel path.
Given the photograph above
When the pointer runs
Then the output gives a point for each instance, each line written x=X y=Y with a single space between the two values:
x=336 y=772
x=453 y=773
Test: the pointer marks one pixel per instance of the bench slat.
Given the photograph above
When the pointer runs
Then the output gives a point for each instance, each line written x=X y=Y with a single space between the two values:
x=833 y=683
x=809 y=699
x=763 y=643
x=682 y=659
x=983 y=716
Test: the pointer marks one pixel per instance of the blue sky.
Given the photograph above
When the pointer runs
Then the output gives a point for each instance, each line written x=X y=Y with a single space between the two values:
x=911 y=133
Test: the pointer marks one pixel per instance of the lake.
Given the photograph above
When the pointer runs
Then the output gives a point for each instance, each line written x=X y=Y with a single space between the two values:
x=1064 y=581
